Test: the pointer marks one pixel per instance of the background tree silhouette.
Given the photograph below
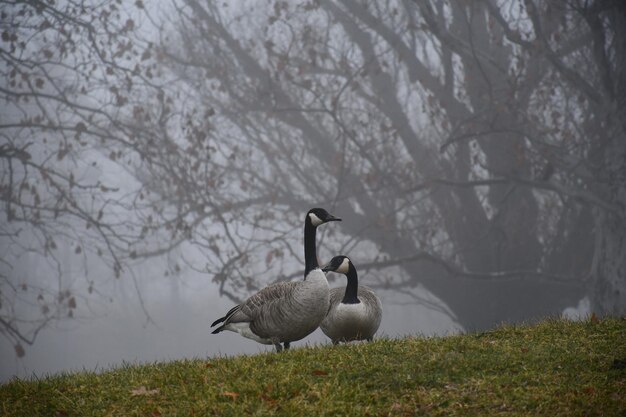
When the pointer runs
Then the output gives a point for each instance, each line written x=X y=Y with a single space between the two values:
x=476 y=150
x=74 y=77
x=479 y=146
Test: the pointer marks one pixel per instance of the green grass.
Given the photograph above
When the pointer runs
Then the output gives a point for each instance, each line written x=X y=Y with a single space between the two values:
x=551 y=368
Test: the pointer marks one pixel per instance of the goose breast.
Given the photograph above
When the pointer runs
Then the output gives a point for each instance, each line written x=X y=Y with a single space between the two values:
x=347 y=322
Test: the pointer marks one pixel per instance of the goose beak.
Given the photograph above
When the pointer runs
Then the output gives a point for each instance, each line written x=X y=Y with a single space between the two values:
x=326 y=268
x=332 y=218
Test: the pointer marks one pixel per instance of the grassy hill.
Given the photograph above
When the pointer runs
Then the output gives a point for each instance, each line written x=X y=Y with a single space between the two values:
x=551 y=368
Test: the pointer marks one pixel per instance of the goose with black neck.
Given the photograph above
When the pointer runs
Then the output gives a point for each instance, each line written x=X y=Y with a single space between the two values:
x=285 y=312
x=354 y=313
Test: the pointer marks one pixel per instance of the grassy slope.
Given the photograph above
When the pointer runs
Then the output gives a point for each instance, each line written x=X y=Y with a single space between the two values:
x=553 y=368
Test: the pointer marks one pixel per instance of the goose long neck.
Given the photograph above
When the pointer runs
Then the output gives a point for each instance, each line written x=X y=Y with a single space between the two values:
x=310 y=254
x=350 y=297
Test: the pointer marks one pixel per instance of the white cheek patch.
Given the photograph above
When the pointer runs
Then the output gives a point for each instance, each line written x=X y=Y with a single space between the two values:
x=343 y=268
x=316 y=221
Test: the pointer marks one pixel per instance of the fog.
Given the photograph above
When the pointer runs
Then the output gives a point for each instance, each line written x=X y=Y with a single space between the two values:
x=178 y=329
x=157 y=161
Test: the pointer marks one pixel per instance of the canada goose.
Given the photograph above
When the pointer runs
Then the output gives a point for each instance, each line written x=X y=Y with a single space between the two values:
x=286 y=311
x=354 y=314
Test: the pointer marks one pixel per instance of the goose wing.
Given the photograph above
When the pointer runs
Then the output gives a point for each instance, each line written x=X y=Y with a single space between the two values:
x=277 y=292
x=275 y=311
x=336 y=295
x=256 y=304
x=373 y=304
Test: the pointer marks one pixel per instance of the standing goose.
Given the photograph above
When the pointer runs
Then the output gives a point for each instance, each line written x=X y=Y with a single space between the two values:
x=354 y=314
x=286 y=311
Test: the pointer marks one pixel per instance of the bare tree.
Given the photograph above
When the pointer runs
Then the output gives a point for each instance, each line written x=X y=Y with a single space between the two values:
x=69 y=117
x=474 y=149
x=479 y=146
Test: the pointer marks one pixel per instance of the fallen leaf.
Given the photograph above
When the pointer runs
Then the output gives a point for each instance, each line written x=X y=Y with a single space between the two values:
x=594 y=318
x=208 y=365
x=269 y=400
x=143 y=391
x=318 y=372
x=524 y=350
x=156 y=413
x=231 y=394
x=61 y=413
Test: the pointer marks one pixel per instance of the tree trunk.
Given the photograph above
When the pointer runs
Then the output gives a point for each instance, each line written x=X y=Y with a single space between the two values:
x=608 y=274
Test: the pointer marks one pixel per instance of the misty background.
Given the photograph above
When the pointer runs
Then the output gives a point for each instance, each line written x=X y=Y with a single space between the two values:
x=156 y=163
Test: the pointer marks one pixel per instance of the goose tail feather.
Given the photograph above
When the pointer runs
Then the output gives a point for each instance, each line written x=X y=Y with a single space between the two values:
x=226 y=317
x=219 y=329
x=218 y=321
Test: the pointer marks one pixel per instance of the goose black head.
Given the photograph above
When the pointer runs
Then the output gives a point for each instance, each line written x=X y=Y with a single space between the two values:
x=340 y=264
x=319 y=216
